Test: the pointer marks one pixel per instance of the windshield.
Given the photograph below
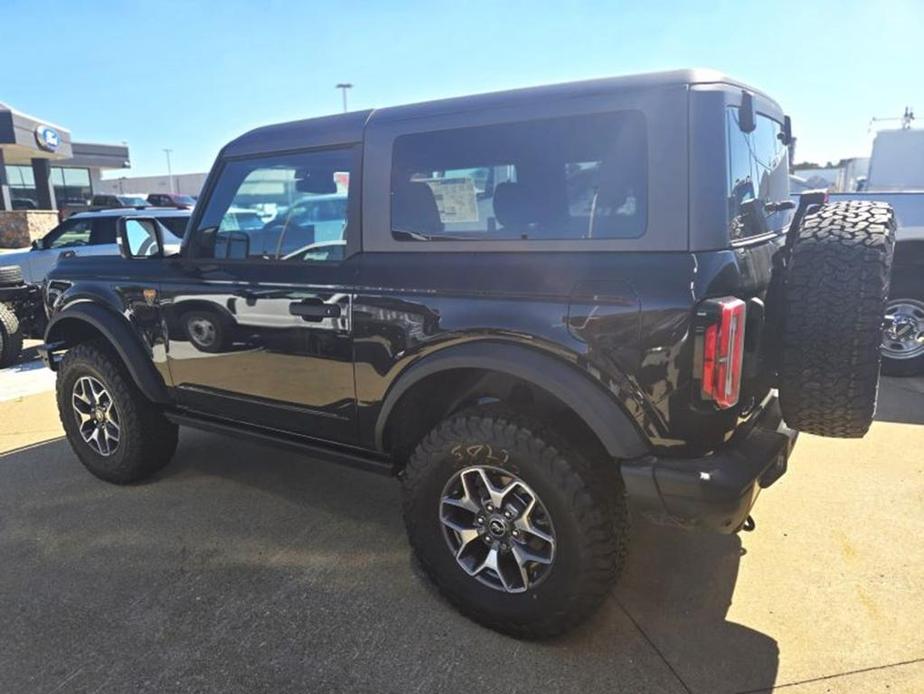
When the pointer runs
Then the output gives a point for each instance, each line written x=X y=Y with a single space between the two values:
x=133 y=200
x=184 y=200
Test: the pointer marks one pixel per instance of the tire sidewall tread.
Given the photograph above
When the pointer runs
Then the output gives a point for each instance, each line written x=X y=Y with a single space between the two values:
x=835 y=290
x=590 y=522
x=147 y=439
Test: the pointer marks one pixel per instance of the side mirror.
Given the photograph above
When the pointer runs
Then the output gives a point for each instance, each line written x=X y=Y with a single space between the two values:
x=140 y=237
x=37 y=245
x=746 y=119
x=786 y=131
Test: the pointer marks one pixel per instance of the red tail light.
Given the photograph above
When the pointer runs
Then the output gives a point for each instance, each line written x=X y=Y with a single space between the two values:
x=723 y=350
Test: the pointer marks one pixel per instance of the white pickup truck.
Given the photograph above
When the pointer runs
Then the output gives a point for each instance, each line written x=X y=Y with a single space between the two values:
x=903 y=336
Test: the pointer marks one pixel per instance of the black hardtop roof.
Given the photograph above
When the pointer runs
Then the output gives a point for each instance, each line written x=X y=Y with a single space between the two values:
x=348 y=127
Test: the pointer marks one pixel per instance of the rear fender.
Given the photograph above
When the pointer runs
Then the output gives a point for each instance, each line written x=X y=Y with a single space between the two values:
x=601 y=412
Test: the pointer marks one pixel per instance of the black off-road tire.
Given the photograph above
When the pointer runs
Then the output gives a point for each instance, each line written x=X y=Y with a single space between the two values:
x=586 y=504
x=10 y=276
x=835 y=292
x=147 y=439
x=10 y=337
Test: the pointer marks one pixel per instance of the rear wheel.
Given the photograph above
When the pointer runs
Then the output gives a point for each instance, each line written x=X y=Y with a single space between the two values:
x=10 y=337
x=518 y=530
x=834 y=299
x=903 y=334
x=117 y=433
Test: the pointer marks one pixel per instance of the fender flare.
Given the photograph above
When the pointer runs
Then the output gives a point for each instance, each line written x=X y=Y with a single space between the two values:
x=616 y=430
x=120 y=335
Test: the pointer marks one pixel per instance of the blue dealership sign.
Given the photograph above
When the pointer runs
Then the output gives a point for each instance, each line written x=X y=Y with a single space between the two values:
x=47 y=138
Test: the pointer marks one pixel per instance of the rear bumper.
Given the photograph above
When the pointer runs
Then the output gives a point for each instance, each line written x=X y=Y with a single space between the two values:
x=717 y=491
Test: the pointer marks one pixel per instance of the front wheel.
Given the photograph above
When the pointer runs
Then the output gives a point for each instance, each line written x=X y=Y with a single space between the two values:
x=518 y=530
x=118 y=434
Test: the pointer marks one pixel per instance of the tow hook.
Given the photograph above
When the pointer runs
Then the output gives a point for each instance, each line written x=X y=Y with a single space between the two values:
x=749 y=525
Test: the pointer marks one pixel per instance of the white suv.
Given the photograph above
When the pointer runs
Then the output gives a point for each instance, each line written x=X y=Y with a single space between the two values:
x=89 y=233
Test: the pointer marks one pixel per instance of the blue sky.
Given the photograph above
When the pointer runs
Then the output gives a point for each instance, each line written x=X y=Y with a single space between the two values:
x=191 y=75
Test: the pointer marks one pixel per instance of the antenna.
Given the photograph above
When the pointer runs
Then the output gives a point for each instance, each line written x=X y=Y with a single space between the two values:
x=906 y=118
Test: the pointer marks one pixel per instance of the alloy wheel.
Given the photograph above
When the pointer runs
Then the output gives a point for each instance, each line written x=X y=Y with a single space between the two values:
x=97 y=416
x=497 y=528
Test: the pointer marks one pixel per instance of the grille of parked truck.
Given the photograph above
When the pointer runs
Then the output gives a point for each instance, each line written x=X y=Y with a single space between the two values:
x=537 y=308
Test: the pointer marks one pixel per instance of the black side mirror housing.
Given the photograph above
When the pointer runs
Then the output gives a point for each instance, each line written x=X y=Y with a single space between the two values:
x=747 y=120
x=140 y=237
x=786 y=133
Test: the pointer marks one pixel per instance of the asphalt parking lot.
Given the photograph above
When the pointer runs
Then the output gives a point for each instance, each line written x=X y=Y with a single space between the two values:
x=242 y=568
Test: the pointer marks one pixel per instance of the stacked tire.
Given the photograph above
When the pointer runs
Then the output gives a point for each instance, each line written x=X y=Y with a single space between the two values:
x=10 y=333
x=834 y=298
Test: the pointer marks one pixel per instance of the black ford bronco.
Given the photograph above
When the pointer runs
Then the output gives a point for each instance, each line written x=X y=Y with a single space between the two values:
x=537 y=308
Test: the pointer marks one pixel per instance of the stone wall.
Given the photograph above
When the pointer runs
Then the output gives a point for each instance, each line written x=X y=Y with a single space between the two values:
x=19 y=228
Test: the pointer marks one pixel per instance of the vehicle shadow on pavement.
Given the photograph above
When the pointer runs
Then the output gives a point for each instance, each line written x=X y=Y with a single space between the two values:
x=901 y=400
x=245 y=568
x=678 y=587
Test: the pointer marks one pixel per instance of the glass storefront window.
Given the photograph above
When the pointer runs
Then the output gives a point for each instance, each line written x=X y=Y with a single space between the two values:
x=22 y=187
x=72 y=186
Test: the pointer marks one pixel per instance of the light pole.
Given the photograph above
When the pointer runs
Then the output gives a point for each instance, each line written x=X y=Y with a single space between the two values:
x=169 y=170
x=343 y=86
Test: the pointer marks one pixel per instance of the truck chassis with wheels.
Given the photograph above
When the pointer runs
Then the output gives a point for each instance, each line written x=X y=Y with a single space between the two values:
x=552 y=309
x=22 y=314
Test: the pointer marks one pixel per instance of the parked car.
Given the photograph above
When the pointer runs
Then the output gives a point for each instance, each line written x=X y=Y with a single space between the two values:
x=104 y=201
x=22 y=313
x=87 y=233
x=183 y=202
x=607 y=321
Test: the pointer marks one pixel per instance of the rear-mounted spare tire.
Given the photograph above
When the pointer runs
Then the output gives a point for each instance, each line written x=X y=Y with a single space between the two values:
x=834 y=298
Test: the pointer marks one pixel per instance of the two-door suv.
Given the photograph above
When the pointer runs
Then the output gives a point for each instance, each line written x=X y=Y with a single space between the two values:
x=539 y=308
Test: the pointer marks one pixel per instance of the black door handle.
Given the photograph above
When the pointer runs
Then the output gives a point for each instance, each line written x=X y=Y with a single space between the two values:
x=314 y=310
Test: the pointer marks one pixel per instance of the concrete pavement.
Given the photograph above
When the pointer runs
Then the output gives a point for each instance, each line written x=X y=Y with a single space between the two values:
x=242 y=568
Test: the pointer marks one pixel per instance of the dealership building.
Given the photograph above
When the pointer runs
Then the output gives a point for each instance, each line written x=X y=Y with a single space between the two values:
x=43 y=170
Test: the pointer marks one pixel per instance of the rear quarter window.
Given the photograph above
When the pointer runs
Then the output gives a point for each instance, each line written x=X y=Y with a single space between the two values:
x=758 y=172
x=580 y=177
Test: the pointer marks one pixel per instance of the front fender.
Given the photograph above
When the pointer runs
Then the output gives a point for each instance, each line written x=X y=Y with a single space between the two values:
x=599 y=409
x=68 y=326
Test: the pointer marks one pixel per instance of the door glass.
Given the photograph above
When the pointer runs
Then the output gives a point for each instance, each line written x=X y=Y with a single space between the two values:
x=71 y=234
x=291 y=207
x=104 y=231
